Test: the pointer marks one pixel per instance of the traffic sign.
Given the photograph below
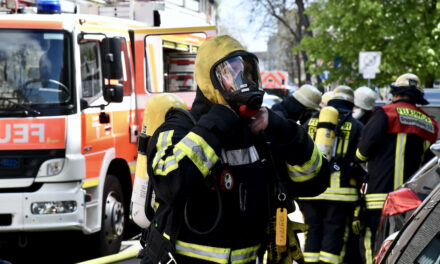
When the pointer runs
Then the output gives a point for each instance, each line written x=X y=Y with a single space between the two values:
x=369 y=61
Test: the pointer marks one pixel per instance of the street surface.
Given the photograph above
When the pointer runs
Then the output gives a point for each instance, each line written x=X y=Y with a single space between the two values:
x=59 y=253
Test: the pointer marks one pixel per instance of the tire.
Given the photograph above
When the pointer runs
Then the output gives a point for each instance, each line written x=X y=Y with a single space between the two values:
x=113 y=220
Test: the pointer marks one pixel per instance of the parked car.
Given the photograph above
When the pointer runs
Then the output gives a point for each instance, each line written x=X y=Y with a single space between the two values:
x=409 y=231
x=433 y=108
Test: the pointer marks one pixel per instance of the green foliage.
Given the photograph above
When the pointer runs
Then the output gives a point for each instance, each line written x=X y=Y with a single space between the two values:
x=405 y=31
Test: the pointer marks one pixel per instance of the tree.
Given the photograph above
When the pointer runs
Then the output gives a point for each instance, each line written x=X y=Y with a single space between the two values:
x=290 y=15
x=405 y=31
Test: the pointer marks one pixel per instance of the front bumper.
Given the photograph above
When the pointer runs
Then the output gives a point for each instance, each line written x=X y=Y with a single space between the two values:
x=17 y=208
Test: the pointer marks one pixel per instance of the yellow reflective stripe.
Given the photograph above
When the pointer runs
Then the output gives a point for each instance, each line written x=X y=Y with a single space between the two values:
x=334 y=180
x=334 y=197
x=375 y=200
x=244 y=255
x=169 y=164
x=399 y=160
x=376 y=196
x=346 y=137
x=426 y=145
x=308 y=170
x=360 y=156
x=329 y=258
x=367 y=246
x=90 y=183
x=163 y=141
x=311 y=257
x=198 y=151
x=217 y=255
x=336 y=194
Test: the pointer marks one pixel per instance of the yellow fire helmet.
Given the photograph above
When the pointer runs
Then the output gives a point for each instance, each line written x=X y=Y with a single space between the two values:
x=156 y=108
x=210 y=52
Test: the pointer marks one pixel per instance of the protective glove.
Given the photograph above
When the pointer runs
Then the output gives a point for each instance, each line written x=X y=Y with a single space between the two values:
x=294 y=253
x=358 y=224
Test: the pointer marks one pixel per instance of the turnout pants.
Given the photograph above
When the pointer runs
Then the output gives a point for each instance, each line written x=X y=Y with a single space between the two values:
x=372 y=220
x=328 y=230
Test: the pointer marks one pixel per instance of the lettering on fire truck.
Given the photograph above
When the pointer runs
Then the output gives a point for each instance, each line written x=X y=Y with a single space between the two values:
x=32 y=133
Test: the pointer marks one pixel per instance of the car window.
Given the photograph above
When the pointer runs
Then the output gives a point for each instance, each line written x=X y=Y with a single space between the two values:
x=422 y=184
x=430 y=255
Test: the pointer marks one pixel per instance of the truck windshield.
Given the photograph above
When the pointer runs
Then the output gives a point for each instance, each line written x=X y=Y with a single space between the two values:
x=34 y=69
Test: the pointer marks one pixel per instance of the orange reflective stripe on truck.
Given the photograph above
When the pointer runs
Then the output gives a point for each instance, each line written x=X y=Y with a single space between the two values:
x=33 y=133
x=34 y=24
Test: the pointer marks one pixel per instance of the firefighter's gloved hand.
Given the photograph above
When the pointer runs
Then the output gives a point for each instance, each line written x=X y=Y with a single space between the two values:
x=260 y=121
x=357 y=225
x=294 y=253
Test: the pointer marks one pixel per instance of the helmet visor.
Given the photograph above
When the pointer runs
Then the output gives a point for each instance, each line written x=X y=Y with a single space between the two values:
x=238 y=73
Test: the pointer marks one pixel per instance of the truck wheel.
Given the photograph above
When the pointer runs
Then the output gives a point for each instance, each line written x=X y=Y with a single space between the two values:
x=113 y=217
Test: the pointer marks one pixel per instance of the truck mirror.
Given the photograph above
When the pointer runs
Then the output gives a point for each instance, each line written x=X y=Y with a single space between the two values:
x=113 y=93
x=111 y=58
x=111 y=69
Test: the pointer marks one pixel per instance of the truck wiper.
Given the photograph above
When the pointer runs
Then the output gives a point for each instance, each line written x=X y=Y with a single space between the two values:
x=27 y=110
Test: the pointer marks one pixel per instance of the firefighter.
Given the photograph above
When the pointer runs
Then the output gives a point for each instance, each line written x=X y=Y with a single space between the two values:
x=301 y=105
x=328 y=214
x=395 y=143
x=213 y=170
x=325 y=98
x=364 y=103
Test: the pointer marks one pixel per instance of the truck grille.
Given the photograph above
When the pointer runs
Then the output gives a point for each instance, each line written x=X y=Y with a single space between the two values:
x=25 y=163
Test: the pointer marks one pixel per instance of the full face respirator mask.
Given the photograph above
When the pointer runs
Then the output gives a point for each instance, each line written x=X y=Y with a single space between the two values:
x=237 y=77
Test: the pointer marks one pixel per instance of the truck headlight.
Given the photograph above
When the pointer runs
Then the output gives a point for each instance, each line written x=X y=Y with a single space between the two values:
x=51 y=167
x=53 y=207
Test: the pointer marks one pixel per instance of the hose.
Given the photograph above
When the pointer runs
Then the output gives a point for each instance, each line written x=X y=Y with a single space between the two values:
x=217 y=220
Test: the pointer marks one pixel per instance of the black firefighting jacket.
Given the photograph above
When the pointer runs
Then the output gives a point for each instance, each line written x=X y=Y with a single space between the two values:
x=344 y=178
x=186 y=162
x=394 y=144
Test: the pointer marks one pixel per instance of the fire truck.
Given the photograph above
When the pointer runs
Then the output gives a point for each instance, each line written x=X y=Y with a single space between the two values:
x=72 y=92
x=275 y=82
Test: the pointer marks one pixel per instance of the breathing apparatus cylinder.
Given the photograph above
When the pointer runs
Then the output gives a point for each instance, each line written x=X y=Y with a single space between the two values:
x=142 y=198
x=326 y=130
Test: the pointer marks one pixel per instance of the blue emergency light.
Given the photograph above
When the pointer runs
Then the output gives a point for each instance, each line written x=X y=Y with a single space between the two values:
x=48 y=6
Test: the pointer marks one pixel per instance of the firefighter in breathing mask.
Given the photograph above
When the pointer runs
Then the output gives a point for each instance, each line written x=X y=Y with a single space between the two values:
x=215 y=186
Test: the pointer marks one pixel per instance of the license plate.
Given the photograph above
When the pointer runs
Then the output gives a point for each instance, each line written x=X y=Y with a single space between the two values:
x=9 y=163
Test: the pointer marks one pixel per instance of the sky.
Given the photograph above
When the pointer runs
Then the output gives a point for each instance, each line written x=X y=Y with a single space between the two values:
x=234 y=17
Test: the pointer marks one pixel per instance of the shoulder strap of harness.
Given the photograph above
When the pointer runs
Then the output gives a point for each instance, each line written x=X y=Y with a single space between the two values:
x=174 y=110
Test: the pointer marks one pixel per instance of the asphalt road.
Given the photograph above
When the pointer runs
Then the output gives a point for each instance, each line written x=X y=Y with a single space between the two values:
x=44 y=250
